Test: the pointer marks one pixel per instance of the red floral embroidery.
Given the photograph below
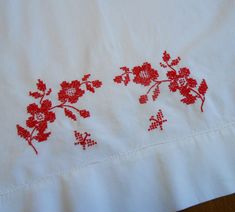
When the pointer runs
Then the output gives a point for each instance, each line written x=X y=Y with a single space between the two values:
x=144 y=74
x=178 y=80
x=43 y=113
x=84 y=140
x=70 y=92
x=157 y=121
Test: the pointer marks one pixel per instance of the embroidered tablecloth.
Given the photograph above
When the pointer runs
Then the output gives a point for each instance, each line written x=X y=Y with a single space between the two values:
x=116 y=105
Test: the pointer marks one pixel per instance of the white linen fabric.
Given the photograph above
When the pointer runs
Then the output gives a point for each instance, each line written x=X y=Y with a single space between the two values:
x=191 y=160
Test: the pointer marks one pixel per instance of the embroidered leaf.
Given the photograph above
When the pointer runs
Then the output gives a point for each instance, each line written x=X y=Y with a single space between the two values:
x=190 y=99
x=125 y=69
x=152 y=126
x=78 y=135
x=36 y=95
x=175 y=62
x=48 y=92
x=97 y=83
x=203 y=87
x=90 y=88
x=70 y=114
x=41 y=85
x=85 y=77
x=90 y=142
x=118 y=79
x=143 y=99
x=22 y=132
x=40 y=137
x=84 y=113
x=156 y=93
x=166 y=57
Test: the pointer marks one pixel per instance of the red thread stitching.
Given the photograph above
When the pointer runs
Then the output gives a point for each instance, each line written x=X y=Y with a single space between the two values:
x=84 y=140
x=157 y=121
x=178 y=80
x=43 y=113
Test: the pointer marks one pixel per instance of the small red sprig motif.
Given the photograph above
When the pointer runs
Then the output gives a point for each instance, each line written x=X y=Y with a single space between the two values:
x=177 y=80
x=43 y=112
x=157 y=121
x=84 y=140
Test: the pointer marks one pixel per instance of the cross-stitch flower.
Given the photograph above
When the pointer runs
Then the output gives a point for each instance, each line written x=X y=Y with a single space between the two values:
x=70 y=92
x=43 y=113
x=144 y=74
x=40 y=115
x=177 y=80
x=180 y=80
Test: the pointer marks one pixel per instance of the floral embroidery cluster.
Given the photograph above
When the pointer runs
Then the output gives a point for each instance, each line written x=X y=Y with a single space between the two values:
x=177 y=79
x=43 y=113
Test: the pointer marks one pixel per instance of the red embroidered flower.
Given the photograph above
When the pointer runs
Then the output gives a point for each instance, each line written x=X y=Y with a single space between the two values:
x=144 y=74
x=40 y=115
x=181 y=80
x=177 y=80
x=70 y=91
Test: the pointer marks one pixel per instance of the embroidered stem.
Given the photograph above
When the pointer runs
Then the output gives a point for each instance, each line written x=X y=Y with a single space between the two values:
x=156 y=84
x=126 y=72
x=44 y=93
x=199 y=96
x=31 y=139
x=62 y=105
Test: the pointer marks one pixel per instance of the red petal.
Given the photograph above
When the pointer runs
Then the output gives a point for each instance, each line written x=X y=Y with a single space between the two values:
x=192 y=82
x=64 y=85
x=32 y=108
x=46 y=104
x=75 y=84
x=30 y=122
x=184 y=72
x=50 y=117
x=171 y=74
x=190 y=99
